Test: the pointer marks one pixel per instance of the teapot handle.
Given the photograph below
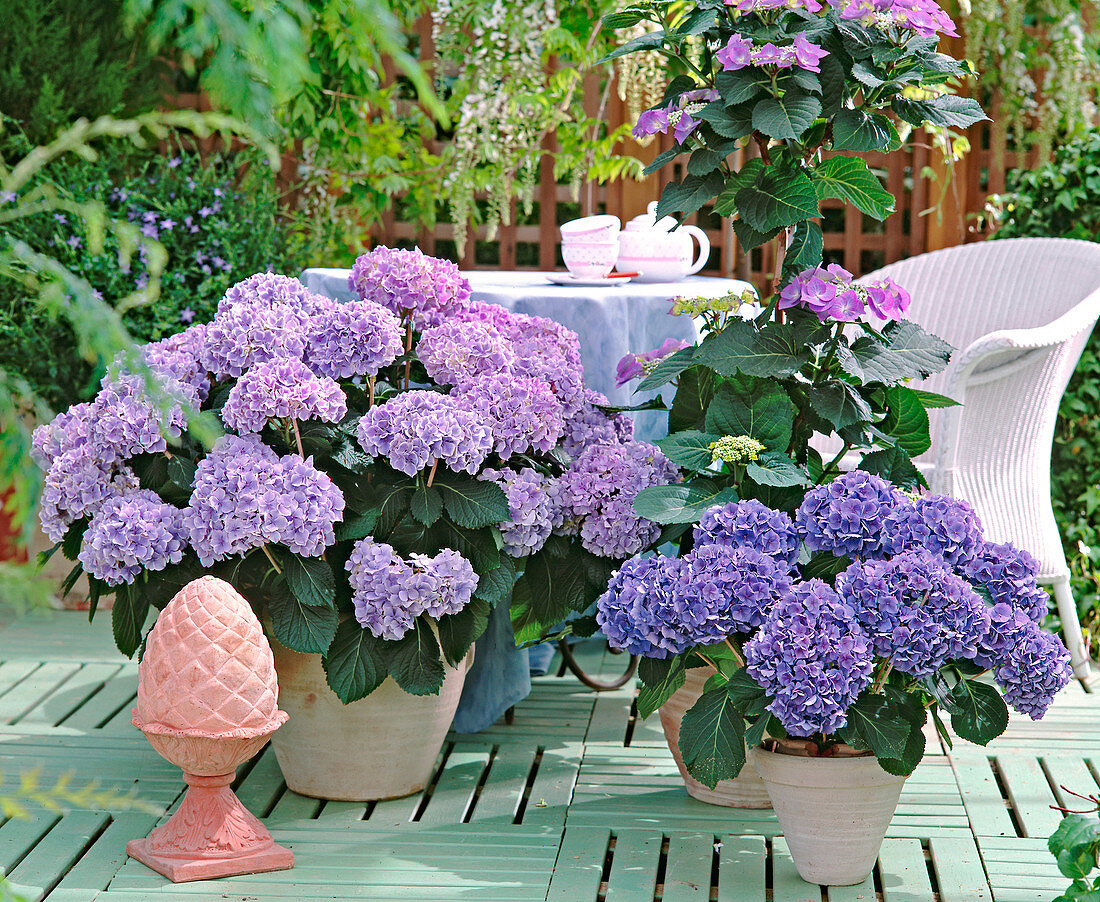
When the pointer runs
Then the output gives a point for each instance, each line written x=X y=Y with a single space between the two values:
x=704 y=248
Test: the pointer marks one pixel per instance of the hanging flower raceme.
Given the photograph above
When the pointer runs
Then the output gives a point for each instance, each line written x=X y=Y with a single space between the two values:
x=678 y=115
x=833 y=295
x=741 y=52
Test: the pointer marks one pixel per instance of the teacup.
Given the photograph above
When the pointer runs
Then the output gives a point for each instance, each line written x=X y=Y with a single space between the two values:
x=590 y=230
x=592 y=260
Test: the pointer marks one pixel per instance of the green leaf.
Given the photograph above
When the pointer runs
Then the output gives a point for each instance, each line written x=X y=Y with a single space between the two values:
x=771 y=351
x=930 y=400
x=689 y=449
x=860 y=131
x=777 y=200
x=877 y=726
x=495 y=585
x=128 y=618
x=748 y=237
x=478 y=546
x=457 y=632
x=663 y=159
x=354 y=664
x=1075 y=844
x=834 y=85
x=683 y=503
x=906 y=420
x=712 y=739
x=549 y=589
x=473 y=503
x=980 y=715
x=310 y=579
x=754 y=735
x=805 y=250
x=948 y=111
x=703 y=161
x=690 y=194
x=74 y=538
x=426 y=504
x=657 y=680
x=906 y=352
x=774 y=468
x=693 y=396
x=895 y=465
x=181 y=471
x=850 y=180
x=358 y=527
x=726 y=203
x=300 y=626
x=759 y=408
x=624 y=18
x=648 y=41
x=667 y=370
x=786 y=117
x=910 y=757
x=825 y=567
x=739 y=85
x=414 y=662
x=731 y=123
x=392 y=501
x=747 y=695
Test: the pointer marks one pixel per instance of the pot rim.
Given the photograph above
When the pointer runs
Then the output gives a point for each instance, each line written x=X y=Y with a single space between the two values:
x=766 y=761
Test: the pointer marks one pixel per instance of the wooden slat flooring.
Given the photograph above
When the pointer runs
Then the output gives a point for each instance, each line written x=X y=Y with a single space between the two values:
x=576 y=801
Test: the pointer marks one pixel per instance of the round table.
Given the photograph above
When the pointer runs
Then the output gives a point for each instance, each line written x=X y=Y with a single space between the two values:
x=610 y=322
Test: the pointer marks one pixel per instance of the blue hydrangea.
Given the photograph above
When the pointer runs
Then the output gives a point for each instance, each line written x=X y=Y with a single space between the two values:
x=532 y=505
x=130 y=533
x=1007 y=624
x=751 y=524
x=641 y=612
x=178 y=357
x=849 y=516
x=915 y=610
x=941 y=524
x=1033 y=670
x=813 y=658
x=521 y=413
x=738 y=584
x=1008 y=573
x=282 y=389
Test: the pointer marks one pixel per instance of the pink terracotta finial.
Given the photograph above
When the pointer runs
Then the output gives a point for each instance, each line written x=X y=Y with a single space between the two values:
x=207 y=701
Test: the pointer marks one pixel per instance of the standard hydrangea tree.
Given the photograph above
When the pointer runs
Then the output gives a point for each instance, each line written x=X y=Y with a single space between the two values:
x=393 y=468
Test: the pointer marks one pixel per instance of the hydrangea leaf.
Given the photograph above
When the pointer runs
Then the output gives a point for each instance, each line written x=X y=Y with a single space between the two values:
x=426 y=504
x=693 y=397
x=787 y=117
x=663 y=159
x=703 y=161
x=473 y=503
x=906 y=352
x=689 y=449
x=849 y=179
x=1075 y=844
x=875 y=725
x=128 y=617
x=300 y=626
x=931 y=400
x=624 y=18
x=494 y=585
x=310 y=579
x=658 y=679
x=980 y=715
x=726 y=202
x=839 y=403
x=948 y=111
x=549 y=589
x=478 y=546
x=910 y=757
x=712 y=738
x=805 y=250
x=895 y=465
x=748 y=696
x=690 y=194
x=354 y=665
x=743 y=347
x=758 y=408
x=457 y=632
x=750 y=238
x=776 y=469
x=357 y=527
x=414 y=662
x=648 y=41
x=861 y=131
x=907 y=420
x=730 y=123
x=740 y=85
x=777 y=199
x=682 y=503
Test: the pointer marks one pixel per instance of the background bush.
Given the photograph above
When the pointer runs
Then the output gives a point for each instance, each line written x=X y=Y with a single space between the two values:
x=1062 y=200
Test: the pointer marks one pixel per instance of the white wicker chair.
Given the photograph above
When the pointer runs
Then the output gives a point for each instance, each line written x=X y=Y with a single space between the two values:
x=1019 y=312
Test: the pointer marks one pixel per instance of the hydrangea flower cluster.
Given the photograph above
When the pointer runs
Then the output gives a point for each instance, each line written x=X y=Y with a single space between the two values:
x=282 y=389
x=125 y=422
x=751 y=524
x=1032 y=671
x=417 y=428
x=246 y=496
x=735 y=449
x=132 y=532
x=459 y=351
x=67 y=432
x=633 y=366
x=356 y=338
x=268 y=289
x=925 y=17
x=812 y=658
x=850 y=515
x=177 y=357
x=598 y=492
x=588 y=425
x=253 y=328
x=739 y=585
x=77 y=485
x=389 y=592
x=915 y=610
x=947 y=526
x=532 y=505
x=410 y=284
x=740 y=52
x=832 y=294
x=1009 y=573
x=678 y=115
x=640 y=612
x=521 y=413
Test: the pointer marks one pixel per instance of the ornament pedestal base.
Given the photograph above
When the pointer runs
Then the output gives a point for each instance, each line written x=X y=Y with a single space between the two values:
x=212 y=835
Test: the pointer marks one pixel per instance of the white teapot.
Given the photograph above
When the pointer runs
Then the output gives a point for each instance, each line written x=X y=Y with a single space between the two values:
x=659 y=251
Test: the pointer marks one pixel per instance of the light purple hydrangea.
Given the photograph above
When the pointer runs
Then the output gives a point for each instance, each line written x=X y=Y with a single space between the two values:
x=459 y=351
x=131 y=533
x=409 y=283
x=389 y=593
x=598 y=492
x=521 y=413
x=941 y=524
x=246 y=496
x=751 y=524
x=246 y=333
x=178 y=357
x=417 y=428
x=740 y=52
x=679 y=115
x=532 y=507
x=282 y=389
x=76 y=486
x=916 y=611
x=357 y=338
x=832 y=293
x=125 y=422
x=640 y=614
x=66 y=432
x=588 y=425
x=1008 y=574
x=738 y=584
x=269 y=289
x=850 y=515
x=1033 y=670
x=925 y=17
x=813 y=658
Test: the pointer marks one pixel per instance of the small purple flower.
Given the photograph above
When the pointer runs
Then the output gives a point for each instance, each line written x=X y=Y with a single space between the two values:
x=205 y=211
x=807 y=54
x=737 y=54
x=651 y=122
x=634 y=365
x=588 y=425
x=167 y=225
x=532 y=507
x=357 y=338
x=187 y=315
x=74 y=241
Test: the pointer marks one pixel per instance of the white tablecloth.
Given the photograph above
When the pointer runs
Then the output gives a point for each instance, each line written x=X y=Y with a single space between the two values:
x=611 y=322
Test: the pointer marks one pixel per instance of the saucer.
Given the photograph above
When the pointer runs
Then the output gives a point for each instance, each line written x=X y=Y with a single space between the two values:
x=567 y=278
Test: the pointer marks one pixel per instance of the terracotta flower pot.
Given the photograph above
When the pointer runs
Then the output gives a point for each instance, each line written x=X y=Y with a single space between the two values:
x=381 y=747
x=833 y=811
x=744 y=791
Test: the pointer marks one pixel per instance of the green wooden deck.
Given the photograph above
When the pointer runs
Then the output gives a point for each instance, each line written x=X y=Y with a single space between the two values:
x=576 y=801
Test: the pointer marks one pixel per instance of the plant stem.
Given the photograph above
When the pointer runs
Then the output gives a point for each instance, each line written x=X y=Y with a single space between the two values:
x=780 y=256
x=431 y=472
x=737 y=656
x=881 y=681
x=836 y=460
x=408 y=349
x=298 y=437
x=271 y=558
x=709 y=661
x=370 y=382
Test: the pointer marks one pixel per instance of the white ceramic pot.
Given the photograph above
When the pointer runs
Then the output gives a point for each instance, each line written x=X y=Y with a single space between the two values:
x=592 y=260
x=381 y=747
x=660 y=252
x=746 y=790
x=833 y=812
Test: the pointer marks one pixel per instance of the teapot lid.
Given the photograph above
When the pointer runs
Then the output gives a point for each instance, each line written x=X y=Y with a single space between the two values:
x=647 y=222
